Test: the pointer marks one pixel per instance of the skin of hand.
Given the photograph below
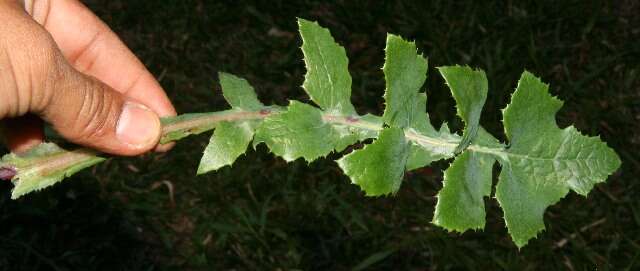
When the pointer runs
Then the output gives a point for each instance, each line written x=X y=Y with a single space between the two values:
x=59 y=63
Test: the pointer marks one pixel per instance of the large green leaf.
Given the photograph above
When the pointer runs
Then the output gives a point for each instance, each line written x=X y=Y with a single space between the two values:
x=544 y=162
x=327 y=81
x=379 y=167
x=405 y=73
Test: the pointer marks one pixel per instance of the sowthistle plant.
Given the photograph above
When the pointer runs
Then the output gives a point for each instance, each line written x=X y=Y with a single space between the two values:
x=540 y=163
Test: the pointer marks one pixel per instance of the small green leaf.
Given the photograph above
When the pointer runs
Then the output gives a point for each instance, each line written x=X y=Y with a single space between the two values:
x=469 y=88
x=405 y=72
x=544 y=162
x=379 y=167
x=466 y=182
x=300 y=132
x=229 y=141
x=327 y=81
x=231 y=138
x=239 y=93
x=45 y=165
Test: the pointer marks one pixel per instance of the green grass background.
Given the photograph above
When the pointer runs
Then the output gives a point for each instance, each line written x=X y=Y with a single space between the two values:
x=152 y=213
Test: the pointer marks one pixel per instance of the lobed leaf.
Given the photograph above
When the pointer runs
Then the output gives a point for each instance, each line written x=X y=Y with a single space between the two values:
x=327 y=81
x=405 y=73
x=544 y=162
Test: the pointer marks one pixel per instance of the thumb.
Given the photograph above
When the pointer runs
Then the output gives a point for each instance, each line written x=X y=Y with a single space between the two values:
x=35 y=77
x=88 y=112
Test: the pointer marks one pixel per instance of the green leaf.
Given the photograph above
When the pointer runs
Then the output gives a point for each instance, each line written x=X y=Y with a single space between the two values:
x=229 y=141
x=327 y=81
x=379 y=167
x=239 y=93
x=544 y=162
x=45 y=165
x=469 y=88
x=405 y=72
x=466 y=182
x=301 y=132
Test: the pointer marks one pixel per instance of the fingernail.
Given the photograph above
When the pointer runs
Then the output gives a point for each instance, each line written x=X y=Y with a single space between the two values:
x=138 y=126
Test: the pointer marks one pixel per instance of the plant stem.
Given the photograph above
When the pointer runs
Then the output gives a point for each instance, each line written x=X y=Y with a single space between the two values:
x=176 y=128
x=212 y=118
x=52 y=163
x=411 y=135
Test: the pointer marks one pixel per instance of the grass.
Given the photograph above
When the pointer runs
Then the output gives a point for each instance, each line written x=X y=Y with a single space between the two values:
x=152 y=213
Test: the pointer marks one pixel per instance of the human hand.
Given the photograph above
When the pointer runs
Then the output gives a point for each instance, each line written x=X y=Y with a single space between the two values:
x=60 y=63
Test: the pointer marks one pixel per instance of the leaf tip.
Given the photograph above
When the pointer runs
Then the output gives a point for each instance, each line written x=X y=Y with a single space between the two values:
x=15 y=196
x=451 y=227
x=302 y=20
x=202 y=170
x=222 y=74
x=304 y=23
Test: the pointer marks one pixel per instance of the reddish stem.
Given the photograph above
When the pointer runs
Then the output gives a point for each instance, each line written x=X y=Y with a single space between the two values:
x=7 y=173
